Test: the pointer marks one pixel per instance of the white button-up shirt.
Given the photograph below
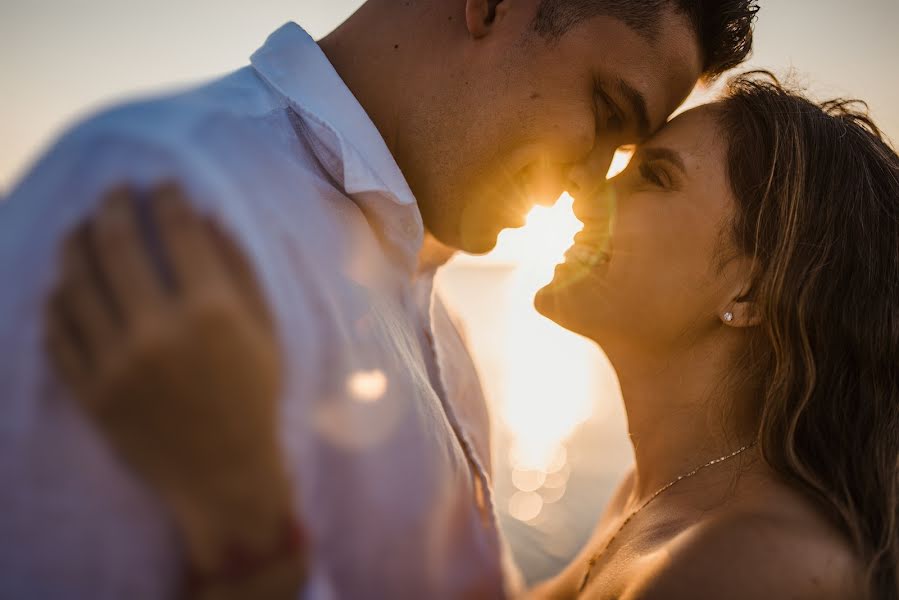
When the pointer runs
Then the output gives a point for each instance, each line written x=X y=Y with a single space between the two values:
x=384 y=424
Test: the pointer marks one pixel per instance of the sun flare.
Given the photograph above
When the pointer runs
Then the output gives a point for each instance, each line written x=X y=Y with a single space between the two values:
x=547 y=376
x=545 y=381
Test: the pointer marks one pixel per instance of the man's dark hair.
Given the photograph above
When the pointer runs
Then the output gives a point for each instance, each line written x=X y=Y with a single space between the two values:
x=723 y=27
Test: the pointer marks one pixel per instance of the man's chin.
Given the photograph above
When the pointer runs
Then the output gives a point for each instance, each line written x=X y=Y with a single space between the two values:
x=479 y=232
x=469 y=242
x=479 y=248
x=479 y=241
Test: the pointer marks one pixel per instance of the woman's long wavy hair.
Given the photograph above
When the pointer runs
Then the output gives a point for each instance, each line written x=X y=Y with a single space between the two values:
x=817 y=190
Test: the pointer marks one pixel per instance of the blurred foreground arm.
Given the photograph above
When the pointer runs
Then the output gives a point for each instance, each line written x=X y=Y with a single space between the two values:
x=170 y=350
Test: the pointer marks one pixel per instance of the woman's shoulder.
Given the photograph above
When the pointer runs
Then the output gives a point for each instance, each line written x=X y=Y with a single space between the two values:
x=774 y=544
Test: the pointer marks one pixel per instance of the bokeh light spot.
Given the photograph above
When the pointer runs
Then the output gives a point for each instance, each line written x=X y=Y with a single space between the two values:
x=525 y=506
x=367 y=386
x=527 y=480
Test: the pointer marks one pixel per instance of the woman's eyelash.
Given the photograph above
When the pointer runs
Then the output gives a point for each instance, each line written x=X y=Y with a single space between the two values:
x=651 y=175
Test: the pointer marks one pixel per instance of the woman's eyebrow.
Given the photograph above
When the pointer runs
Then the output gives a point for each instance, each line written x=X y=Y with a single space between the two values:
x=656 y=153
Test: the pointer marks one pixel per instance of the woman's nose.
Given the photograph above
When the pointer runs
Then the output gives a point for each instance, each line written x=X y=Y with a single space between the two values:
x=587 y=176
x=600 y=204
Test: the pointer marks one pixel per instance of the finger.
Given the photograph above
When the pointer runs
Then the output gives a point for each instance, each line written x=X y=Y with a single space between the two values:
x=186 y=239
x=63 y=347
x=122 y=256
x=241 y=269
x=82 y=293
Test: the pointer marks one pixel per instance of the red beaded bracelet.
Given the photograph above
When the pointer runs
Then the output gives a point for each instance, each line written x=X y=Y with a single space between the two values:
x=240 y=563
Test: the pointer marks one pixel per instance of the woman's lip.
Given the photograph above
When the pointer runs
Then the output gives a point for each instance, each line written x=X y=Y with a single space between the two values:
x=599 y=242
x=593 y=232
x=594 y=238
x=589 y=255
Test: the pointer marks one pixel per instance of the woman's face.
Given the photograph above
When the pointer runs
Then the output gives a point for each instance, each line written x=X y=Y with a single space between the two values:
x=650 y=269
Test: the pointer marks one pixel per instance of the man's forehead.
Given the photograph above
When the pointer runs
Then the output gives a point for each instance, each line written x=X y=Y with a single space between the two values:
x=635 y=101
x=657 y=96
x=663 y=96
x=675 y=68
x=652 y=74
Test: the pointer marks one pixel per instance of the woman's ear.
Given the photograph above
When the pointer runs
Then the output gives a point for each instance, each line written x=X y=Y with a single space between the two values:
x=481 y=15
x=742 y=312
x=739 y=296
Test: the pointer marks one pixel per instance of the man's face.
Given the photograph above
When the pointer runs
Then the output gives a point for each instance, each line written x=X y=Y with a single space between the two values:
x=517 y=119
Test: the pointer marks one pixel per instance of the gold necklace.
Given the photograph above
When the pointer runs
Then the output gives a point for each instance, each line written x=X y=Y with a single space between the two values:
x=593 y=559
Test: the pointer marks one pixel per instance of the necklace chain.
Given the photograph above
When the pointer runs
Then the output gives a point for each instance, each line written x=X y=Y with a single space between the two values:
x=596 y=555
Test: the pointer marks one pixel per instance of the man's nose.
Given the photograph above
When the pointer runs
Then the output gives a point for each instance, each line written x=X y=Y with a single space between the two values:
x=588 y=176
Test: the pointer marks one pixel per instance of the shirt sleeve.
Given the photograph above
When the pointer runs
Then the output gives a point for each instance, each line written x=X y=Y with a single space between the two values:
x=75 y=522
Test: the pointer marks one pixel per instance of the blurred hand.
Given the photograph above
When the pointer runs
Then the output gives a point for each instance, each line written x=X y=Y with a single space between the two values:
x=170 y=350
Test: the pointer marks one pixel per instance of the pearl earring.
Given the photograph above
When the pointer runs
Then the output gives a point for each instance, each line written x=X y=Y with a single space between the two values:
x=728 y=317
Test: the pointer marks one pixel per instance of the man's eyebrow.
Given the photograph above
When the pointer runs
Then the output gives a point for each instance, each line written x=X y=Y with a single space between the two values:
x=637 y=104
x=657 y=153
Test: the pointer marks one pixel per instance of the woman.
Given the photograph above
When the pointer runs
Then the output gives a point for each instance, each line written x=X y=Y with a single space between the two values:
x=742 y=275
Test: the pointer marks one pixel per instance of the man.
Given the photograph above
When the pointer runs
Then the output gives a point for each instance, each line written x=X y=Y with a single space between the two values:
x=327 y=164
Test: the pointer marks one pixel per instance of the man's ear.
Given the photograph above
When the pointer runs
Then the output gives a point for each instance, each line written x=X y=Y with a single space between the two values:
x=481 y=15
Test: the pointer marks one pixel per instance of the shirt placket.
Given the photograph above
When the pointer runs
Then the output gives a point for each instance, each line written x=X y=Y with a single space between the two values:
x=483 y=496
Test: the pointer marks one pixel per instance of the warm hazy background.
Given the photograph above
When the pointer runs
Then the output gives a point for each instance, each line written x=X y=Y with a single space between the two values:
x=561 y=434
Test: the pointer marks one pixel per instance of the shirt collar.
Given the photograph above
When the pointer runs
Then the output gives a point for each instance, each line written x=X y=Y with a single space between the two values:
x=292 y=63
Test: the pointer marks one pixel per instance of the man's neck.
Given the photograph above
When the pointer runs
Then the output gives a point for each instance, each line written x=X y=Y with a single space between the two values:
x=378 y=53
x=682 y=413
x=375 y=52
x=433 y=255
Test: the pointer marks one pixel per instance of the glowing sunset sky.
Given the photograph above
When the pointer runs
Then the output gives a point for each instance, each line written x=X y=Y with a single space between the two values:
x=61 y=59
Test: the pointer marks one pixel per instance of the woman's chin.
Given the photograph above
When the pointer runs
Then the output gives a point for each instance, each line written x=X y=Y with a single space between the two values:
x=555 y=300
x=542 y=301
x=569 y=299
